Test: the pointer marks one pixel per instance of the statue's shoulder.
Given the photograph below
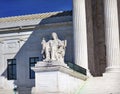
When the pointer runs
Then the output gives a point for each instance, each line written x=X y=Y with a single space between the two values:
x=49 y=41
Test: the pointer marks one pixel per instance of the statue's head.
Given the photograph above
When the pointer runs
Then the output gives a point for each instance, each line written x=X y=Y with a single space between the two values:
x=43 y=41
x=54 y=35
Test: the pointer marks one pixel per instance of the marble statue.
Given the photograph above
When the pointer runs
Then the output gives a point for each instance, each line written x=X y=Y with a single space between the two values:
x=54 y=50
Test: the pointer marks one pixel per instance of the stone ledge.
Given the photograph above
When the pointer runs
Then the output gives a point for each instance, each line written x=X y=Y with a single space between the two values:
x=53 y=66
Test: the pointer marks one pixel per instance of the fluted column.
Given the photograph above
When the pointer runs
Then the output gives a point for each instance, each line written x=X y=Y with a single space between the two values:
x=112 y=35
x=80 y=36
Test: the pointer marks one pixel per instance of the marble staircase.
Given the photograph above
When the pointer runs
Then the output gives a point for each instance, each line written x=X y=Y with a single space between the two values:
x=101 y=85
x=6 y=91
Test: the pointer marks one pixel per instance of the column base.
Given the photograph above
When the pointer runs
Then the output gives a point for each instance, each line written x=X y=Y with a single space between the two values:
x=88 y=73
x=112 y=70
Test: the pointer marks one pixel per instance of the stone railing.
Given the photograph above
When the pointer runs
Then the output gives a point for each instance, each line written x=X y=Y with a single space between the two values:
x=77 y=68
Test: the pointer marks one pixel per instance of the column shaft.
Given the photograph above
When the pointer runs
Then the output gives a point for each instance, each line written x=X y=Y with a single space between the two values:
x=80 y=36
x=112 y=35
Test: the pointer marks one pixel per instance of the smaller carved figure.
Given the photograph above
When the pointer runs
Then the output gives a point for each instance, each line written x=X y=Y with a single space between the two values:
x=45 y=50
x=61 y=50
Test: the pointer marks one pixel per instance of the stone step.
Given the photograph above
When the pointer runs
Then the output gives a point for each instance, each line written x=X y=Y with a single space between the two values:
x=89 y=86
x=6 y=91
x=21 y=91
x=101 y=85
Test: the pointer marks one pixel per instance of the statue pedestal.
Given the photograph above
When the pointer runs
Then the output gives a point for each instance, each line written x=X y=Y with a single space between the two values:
x=56 y=78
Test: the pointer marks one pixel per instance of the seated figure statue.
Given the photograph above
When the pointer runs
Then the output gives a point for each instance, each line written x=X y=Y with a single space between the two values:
x=54 y=50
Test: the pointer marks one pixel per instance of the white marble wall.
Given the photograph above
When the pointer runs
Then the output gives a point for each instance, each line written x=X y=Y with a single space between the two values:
x=56 y=82
x=22 y=45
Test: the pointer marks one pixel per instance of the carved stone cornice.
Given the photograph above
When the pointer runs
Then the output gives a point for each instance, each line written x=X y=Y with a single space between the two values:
x=28 y=17
x=35 y=16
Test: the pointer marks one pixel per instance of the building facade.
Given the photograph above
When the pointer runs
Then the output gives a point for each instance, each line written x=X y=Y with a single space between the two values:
x=92 y=32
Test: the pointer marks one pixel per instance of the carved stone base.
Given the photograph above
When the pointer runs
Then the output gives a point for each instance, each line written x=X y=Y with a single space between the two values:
x=50 y=64
x=56 y=78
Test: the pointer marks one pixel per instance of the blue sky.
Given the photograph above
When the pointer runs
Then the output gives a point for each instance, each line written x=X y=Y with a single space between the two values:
x=23 y=7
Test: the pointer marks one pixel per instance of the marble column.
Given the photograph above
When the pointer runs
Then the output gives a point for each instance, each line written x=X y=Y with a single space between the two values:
x=112 y=36
x=80 y=34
